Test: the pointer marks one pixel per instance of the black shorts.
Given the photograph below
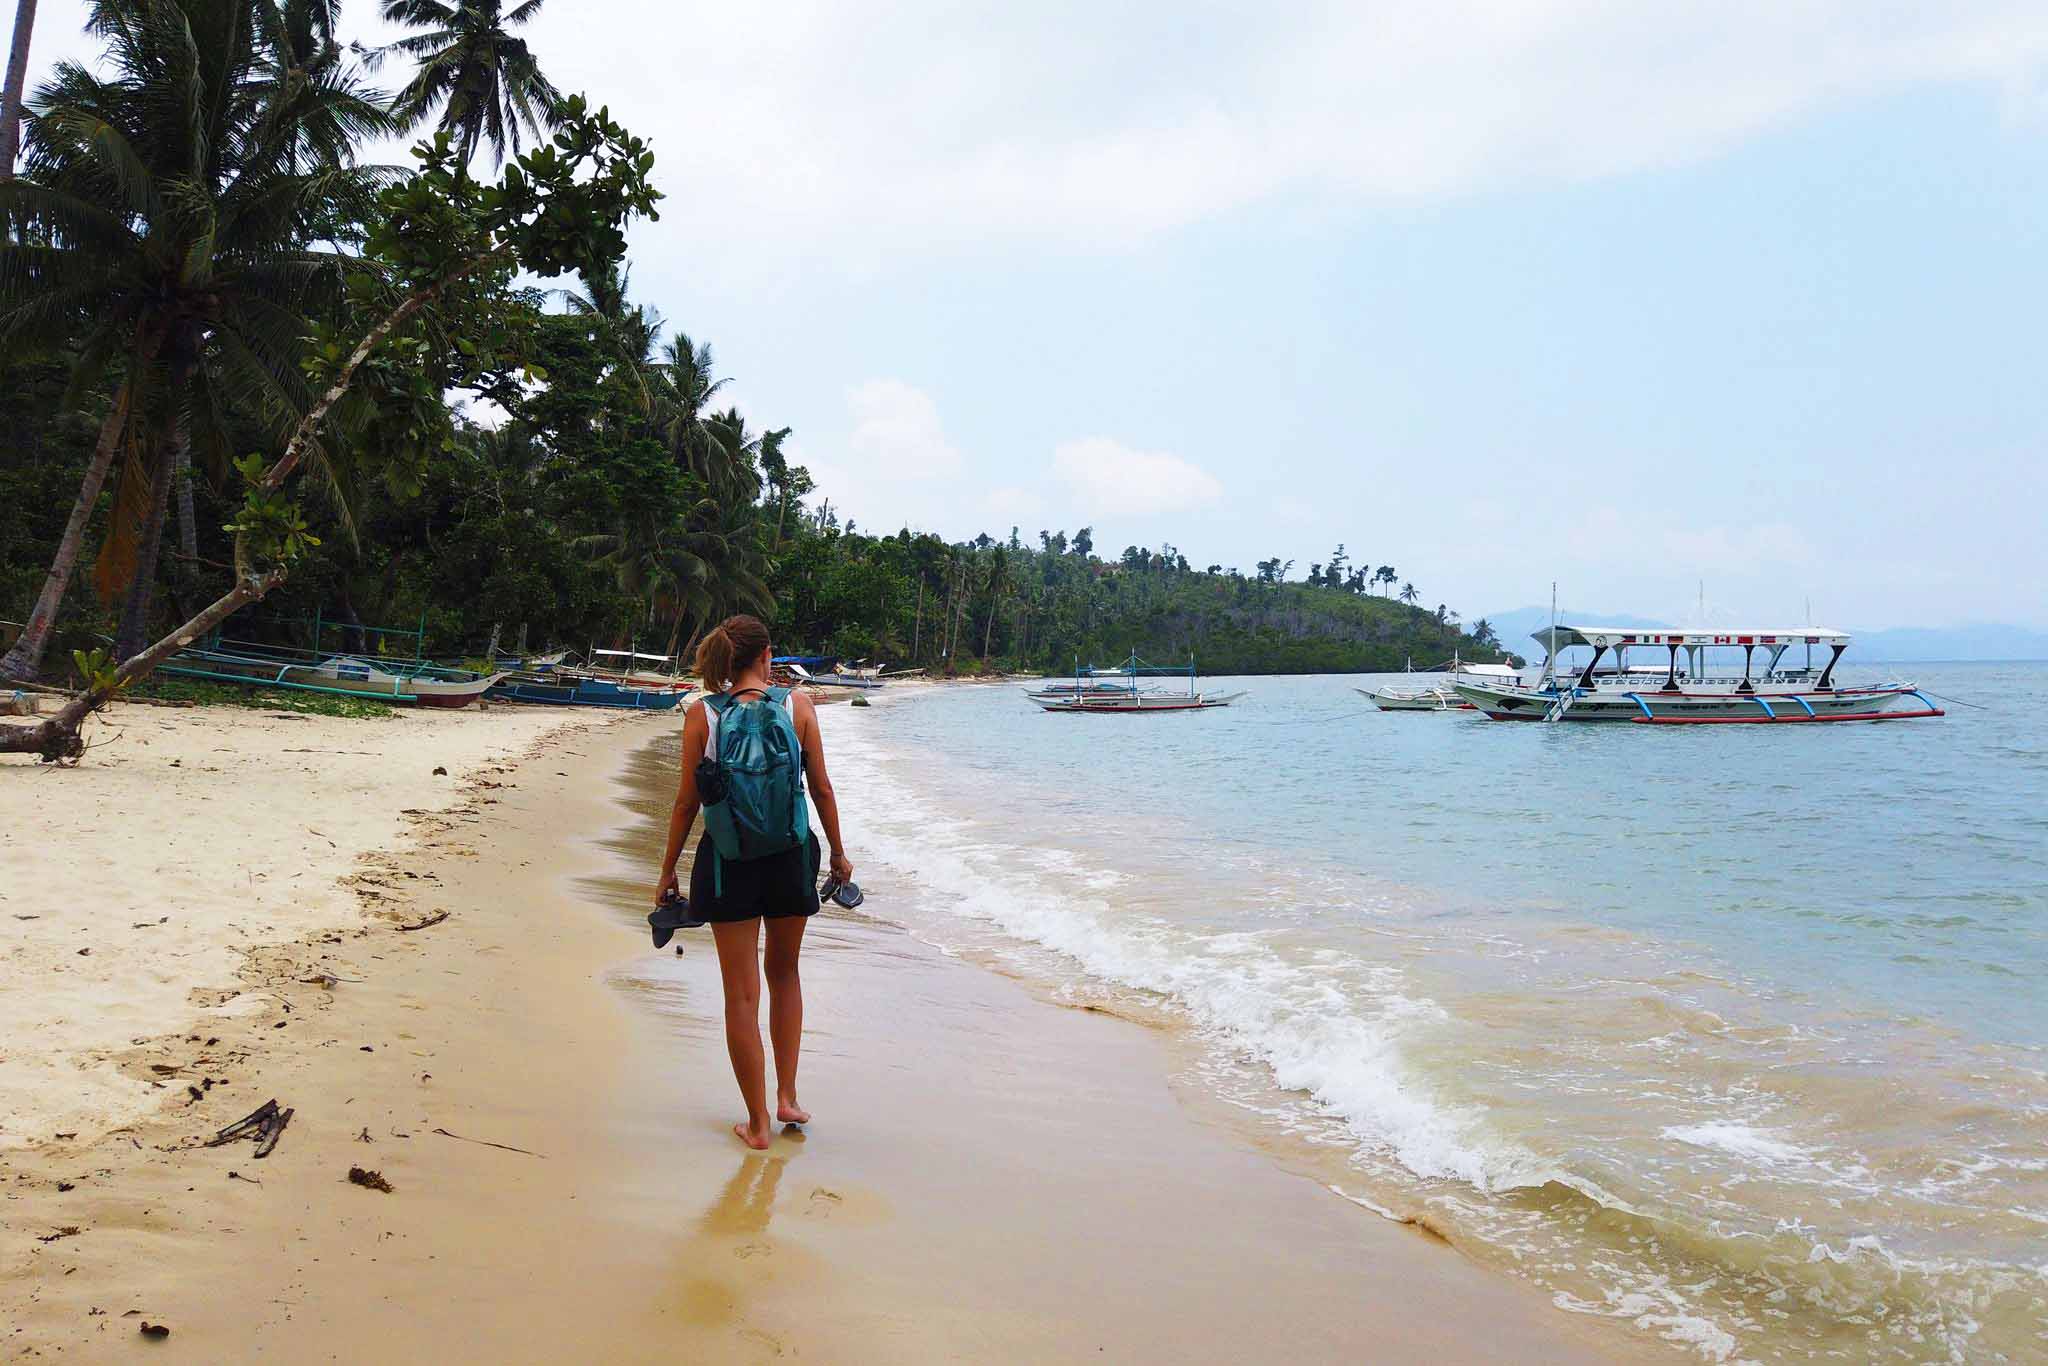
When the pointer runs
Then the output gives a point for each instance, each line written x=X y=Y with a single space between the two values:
x=779 y=885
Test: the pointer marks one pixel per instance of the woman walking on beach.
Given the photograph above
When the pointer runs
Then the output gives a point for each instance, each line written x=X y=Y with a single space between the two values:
x=747 y=870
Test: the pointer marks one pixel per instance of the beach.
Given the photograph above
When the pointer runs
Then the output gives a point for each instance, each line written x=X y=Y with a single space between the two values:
x=990 y=1174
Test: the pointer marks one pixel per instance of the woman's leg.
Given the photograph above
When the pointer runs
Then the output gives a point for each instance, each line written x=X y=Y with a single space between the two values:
x=740 y=970
x=786 y=1012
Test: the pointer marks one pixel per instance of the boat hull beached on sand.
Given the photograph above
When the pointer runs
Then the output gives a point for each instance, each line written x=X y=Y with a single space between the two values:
x=1675 y=693
x=342 y=675
x=569 y=690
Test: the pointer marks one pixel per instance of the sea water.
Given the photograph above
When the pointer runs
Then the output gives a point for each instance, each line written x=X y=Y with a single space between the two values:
x=1737 y=1034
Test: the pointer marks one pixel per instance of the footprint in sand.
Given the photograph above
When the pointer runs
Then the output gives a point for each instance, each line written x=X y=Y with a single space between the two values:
x=823 y=1202
x=767 y=1342
x=749 y=1250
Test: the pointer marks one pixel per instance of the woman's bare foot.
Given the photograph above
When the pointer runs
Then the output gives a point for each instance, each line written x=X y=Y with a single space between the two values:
x=748 y=1136
x=789 y=1112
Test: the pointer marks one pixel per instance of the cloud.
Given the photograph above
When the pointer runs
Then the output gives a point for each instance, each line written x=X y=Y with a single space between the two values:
x=897 y=433
x=904 y=126
x=1108 y=478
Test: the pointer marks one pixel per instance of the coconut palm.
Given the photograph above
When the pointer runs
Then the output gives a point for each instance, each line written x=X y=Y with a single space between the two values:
x=298 y=51
x=787 y=483
x=17 y=79
x=484 y=80
x=160 y=231
x=1409 y=595
x=627 y=330
x=689 y=383
x=735 y=469
x=996 y=580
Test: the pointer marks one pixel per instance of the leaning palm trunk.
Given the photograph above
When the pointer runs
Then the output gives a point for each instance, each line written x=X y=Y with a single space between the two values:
x=58 y=738
x=25 y=660
x=10 y=94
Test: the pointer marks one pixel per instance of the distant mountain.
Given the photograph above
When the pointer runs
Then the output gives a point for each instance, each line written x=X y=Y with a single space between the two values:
x=1902 y=644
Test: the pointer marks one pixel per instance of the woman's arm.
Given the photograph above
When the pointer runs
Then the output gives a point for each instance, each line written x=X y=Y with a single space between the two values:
x=822 y=795
x=695 y=733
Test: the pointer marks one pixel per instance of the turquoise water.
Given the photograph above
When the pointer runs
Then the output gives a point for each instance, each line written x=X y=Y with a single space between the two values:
x=1736 y=1034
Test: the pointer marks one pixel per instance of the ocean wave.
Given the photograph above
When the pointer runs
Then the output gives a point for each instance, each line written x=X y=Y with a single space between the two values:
x=1605 y=1228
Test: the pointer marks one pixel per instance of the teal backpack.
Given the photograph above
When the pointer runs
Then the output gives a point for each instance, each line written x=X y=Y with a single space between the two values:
x=761 y=810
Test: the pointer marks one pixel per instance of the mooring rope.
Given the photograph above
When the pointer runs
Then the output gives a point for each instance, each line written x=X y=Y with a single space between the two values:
x=1977 y=706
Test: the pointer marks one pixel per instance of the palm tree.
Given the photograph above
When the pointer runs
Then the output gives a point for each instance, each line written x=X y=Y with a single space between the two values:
x=626 y=329
x=1409 y=595
x=299 y=51
x=10 y=93
x=996 y=580
x=485 y=81
x=684 y=404
x=160 y=231
x=787 y=483
x=734 y=471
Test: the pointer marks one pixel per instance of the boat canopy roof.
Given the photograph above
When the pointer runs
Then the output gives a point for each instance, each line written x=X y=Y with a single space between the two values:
x=632 y=654
x=1607 y=637
x=807 y=661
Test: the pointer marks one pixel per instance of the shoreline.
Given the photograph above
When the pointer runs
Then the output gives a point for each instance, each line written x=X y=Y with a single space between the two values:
x=990 y=1174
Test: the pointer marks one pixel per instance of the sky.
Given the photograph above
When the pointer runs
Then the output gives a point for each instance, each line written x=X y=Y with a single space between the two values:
x=1632 y=298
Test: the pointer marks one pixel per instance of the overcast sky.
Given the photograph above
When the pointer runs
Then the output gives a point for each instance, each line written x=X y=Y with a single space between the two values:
x=1625 y=296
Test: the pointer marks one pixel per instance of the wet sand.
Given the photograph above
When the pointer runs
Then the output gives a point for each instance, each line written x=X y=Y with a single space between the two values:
x=988 y=1176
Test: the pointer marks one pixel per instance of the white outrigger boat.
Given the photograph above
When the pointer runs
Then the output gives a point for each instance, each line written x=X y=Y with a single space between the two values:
x=1089 y=692
x=631 y=669
x=1670 y=693
x=1439 y=694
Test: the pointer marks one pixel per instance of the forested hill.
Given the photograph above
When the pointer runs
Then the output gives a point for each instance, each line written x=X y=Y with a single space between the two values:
x=1048 y=606
x=194 y=419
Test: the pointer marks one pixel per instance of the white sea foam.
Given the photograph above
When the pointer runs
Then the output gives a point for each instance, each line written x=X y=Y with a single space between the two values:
x=1334 y=1035
x=1740 y=1139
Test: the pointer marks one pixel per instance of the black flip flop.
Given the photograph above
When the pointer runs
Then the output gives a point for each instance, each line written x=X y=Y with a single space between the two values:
x=671 y=915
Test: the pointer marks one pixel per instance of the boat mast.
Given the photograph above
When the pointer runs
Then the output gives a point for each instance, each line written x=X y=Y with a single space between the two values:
x=1550 y=646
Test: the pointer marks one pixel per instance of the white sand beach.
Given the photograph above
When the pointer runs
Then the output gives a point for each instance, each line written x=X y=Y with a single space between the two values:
x=990 y=1176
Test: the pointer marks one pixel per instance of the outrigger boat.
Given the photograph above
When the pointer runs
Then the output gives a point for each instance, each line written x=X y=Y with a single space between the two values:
x=360 y=672
x=801 y=674
x=343 y=675
x=569 y=690
x=1436 y=696
x=628 y=669
x=1668 y=693
x=1088 y=694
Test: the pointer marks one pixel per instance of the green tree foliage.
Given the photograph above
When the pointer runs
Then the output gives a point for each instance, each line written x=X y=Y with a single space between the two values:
x=238 y=298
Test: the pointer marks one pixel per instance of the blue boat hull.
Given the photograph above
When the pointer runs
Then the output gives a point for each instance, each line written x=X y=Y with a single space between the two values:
x=586 y=693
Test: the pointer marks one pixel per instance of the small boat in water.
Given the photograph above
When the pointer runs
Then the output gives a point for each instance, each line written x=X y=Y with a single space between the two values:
x=1668 y=692
x=1440 y=694
x=1117 y=691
